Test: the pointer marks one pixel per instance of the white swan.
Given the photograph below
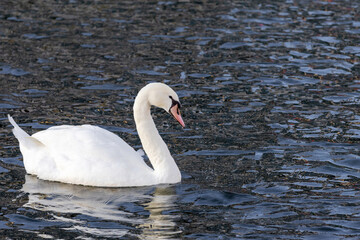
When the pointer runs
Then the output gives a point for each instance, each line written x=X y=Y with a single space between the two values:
x=90 y=155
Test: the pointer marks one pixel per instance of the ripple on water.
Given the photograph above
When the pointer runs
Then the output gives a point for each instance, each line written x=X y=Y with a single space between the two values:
x=12 y=71
x=218 y=152
x=88 y=45
x=353 y=133
x=3 y=170
x=3 y=225
x=199 y=75
x=189 y=93
x=107 y=86
x=235 y=45
x=351 y=49
x=29 y=223
x=299 y=54
x=7 y=106
x=243 y=109
x=100 y=230
x=35 y=93
x=324 y=71
x=343 y=98
x=34 y=36
x=268 y=210
x=327 y=39
x=93 y=78
x=284 y=81
x=13 y=161
x=270 y=190
x=320 y=13
x=151 y=73
x=216 y=198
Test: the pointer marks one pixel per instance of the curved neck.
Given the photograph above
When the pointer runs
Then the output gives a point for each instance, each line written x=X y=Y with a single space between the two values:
x=164 y=165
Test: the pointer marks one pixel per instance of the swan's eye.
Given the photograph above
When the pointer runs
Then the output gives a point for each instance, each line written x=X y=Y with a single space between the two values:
x=174 y=102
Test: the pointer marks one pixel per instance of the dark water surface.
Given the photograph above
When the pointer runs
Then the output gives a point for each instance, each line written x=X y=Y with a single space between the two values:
x=270 y=93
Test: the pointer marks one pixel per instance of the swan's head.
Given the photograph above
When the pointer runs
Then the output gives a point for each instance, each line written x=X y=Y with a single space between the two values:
x=162 y=96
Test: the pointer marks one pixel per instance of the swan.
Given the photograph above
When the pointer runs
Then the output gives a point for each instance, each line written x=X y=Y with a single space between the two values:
x=92 y=156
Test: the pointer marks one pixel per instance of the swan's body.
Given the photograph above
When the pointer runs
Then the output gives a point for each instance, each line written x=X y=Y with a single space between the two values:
x=90 y=155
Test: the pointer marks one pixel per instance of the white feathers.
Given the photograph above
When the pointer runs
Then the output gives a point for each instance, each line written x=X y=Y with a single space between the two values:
x=90 y=155
x=18 y=132
x=26 y=140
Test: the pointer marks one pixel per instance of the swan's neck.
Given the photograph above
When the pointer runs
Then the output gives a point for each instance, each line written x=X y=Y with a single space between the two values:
x=165 y=168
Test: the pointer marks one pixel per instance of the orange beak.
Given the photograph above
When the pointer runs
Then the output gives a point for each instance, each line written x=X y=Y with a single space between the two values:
x=175 y=111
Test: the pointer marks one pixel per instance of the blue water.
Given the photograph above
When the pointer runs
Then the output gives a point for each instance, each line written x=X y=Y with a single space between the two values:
x=270 y=95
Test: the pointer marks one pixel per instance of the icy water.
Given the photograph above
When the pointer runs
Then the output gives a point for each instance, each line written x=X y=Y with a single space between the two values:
x=270 y=94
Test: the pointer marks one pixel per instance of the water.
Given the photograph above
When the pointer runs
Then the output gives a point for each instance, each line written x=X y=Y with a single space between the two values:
x=270 y=95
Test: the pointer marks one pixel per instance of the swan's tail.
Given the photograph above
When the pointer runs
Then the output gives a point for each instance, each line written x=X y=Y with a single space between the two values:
x=18 y=132
x=22 y=136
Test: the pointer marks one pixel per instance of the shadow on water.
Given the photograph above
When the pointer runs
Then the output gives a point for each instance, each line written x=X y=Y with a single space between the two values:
x=270 y=95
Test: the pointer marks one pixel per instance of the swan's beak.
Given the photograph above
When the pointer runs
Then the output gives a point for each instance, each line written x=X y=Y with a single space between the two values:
x=175 y=111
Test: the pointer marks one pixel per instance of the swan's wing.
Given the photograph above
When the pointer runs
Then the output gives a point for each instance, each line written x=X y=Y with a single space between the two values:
x=86 y=150
x=87 y=142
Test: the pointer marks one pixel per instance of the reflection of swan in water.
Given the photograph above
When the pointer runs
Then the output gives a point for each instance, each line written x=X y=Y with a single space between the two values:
x=115 y=211
x=159 y=225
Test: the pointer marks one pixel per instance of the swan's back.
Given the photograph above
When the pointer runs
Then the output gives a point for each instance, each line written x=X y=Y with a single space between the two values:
x=85 y=140
x=86 y=155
